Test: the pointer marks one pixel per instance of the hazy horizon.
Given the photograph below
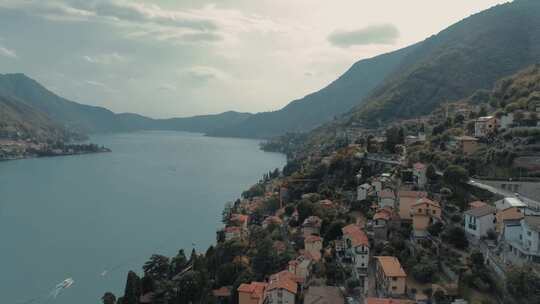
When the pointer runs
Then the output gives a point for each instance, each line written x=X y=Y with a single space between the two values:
x=165 y=58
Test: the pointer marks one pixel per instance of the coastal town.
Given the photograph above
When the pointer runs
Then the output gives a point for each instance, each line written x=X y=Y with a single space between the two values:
x=19 y=149
x=440 y=209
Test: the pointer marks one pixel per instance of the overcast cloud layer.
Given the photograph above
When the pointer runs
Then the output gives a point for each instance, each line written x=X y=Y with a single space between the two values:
x=166 y=58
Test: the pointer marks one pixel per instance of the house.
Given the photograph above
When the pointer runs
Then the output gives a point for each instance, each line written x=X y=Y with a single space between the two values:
x=525 y=248
x=377 y=183
x=232 y=233
x=419 y=175
x=387 y=301
x=301 y=267
x=252 y=293
x=390 y=278
x=313 y=245
x=484 y=126
x=382 y=220
x=508 y=214
x=387 y=198
x=424 y=213
x=465 y=144
x=282 y=288
x=357 y=250
x=311 y=225
x=363 y=191
x=323 y=295
x=479 y=221
x=510 y=202
x=405 y=201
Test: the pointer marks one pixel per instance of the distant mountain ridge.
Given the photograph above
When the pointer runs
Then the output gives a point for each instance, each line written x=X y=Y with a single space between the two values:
x=322 y=106
x=469 y=55
x=91 y=119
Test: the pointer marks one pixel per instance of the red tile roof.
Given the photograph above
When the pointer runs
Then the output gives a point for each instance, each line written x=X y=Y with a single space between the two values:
x=356 y=234
x=391 y=266
x=283 y=280
x=256 y=289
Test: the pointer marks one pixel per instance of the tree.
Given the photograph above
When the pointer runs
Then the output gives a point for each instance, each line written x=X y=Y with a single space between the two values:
x=190 y=287
x=524 y=284
x=455 y=175
x=157 y=267
x=132 y=291
x=424 y=271
x=455 y=236
x=431 y=173
x=435 y=229
x=108 y=298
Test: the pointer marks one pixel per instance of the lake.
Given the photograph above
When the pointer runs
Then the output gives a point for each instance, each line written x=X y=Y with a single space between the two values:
x=77 y=216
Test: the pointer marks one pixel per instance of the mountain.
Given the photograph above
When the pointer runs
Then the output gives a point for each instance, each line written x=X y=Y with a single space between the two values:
x=91 y=119
x=322 y=106
x=19 y=120
x=469 y=55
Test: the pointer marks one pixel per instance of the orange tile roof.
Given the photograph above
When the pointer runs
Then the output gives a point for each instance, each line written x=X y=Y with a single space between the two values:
x=428 y=202
x=357 y=235
x=391 y=266
x=256 y=289
x=512 y=213
x=283 y=280
x=387 y=301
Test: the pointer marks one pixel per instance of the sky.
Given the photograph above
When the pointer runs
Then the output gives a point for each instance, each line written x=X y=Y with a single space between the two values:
x=177 y=58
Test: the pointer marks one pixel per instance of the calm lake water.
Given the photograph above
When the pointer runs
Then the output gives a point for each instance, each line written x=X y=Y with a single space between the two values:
x=77 y=216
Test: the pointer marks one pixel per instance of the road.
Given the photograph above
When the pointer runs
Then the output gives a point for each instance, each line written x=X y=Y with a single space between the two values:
x=533 y=204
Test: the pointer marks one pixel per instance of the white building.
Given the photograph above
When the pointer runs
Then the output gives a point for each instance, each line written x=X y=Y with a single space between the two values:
x=523 y=242
x=479 y=221
x=484 y=126
x=357 y=249
x=363 y=191
x=419 y=175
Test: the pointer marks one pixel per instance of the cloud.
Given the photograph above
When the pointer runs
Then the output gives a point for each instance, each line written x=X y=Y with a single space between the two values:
x=7 y=52
x=166 y=87
x=141 y=19
x=105 y=58
x=204 y=73
x=374 y=34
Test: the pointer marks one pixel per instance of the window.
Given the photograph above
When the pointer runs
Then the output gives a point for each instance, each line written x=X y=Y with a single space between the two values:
x=394 y=287
x=528 y=233
x=394 y=279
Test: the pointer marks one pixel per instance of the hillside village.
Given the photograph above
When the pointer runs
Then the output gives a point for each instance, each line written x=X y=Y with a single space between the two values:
x=440 y=209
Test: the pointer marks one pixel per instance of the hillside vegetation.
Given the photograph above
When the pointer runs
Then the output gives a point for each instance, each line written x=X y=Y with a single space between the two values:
x=465 y=57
